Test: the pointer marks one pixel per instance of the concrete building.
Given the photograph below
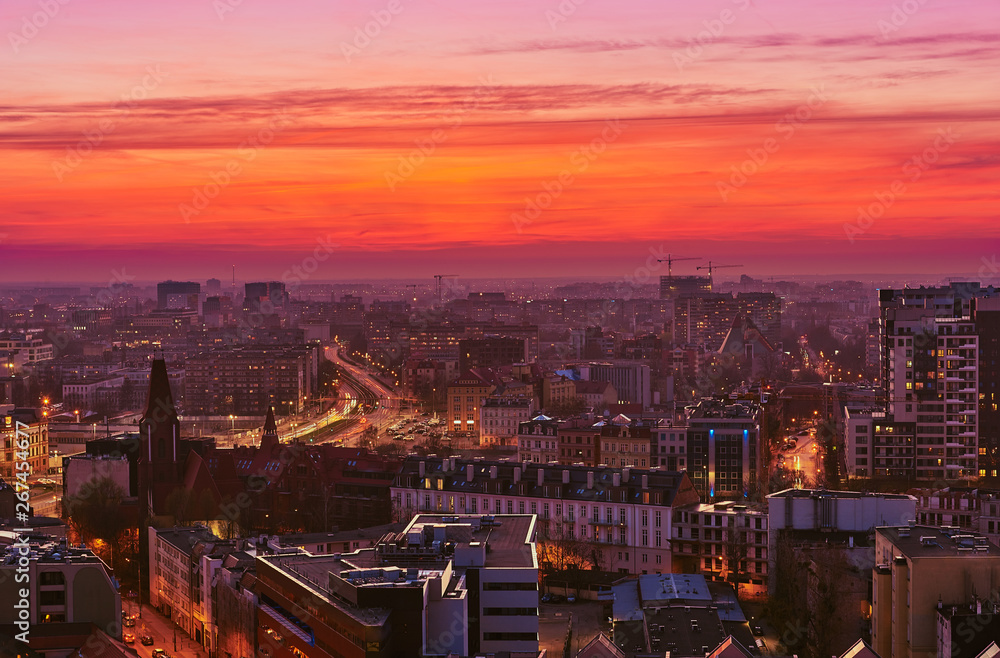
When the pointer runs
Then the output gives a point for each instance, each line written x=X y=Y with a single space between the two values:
x=623 y=515
x=596 y=394
x=27 y=348
x=669 y=450
x=245 y=380
x=710 y=538
x=579 y=442
x=807 y=515
x=985 y=314
x=722 y=447
x=69 y=589
x=433 y=590
x=919 y=568
x=631 y=380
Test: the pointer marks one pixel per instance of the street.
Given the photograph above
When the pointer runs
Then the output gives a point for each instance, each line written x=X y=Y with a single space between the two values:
x=161 y=630
x=804 y=460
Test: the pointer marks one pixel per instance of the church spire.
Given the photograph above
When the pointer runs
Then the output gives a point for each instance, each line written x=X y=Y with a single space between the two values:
x=269 y=437
x=160 y=403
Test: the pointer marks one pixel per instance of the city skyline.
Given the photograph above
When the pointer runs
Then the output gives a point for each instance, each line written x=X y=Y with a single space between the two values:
x=740 y=131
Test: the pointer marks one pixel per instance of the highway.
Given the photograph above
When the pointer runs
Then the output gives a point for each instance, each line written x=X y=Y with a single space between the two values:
x=365 y=401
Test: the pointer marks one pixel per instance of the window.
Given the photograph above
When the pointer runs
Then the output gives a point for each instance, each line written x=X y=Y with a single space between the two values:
x=658 y=538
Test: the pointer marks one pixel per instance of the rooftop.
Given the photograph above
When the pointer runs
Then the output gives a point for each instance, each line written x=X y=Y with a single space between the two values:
x=930 y=541
x=821 y=493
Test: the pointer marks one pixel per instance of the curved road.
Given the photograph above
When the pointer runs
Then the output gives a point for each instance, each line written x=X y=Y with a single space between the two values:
x=365 y=401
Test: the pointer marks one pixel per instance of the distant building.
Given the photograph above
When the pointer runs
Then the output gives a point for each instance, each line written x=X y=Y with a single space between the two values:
x=710 y=538
x=177 y=294
x=491 y=352
x=596 y=393
x=31 y=446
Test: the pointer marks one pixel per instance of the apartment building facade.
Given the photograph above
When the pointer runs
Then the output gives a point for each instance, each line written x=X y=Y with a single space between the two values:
x=623 y=516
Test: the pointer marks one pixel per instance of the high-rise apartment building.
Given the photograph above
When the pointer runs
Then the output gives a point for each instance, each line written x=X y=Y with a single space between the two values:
x=177 y=294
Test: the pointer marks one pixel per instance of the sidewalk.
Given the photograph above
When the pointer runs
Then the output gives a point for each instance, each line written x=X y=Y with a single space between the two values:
x=162 y=631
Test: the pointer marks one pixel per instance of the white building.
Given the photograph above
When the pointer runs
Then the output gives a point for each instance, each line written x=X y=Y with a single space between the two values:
x=624 y=515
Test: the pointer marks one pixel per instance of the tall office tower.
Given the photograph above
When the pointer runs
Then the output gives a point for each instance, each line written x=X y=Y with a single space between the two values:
x=177 y=294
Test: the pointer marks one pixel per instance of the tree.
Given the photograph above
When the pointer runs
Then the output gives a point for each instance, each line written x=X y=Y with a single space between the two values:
x=735 y=550
x=95 y=512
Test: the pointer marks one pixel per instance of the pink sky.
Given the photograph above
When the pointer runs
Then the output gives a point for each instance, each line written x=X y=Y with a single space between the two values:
x=504 y=97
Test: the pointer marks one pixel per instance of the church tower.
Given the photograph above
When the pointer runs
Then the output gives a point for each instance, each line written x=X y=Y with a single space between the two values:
x=159 y=435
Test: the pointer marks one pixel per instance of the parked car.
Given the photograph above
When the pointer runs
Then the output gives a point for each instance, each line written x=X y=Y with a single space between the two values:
x=570 y=599
x=556 y=598
x=546 y=598
x=756 y=629
x=160 y=653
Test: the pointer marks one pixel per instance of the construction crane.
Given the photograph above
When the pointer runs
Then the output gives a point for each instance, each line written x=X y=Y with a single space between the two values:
x=711 y=267
x=439 y=277
x=669 y=260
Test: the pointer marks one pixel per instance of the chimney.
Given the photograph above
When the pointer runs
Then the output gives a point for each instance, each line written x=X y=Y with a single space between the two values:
x=590 y=479
x=625 y=473
x=469 y=472
x=645 y=481
x=453 y=463
x=616 y=479
x=565 y=477
x=541 y=476
x=493 y=472
x=979 y=606
x=421 y=468
x=517 y=474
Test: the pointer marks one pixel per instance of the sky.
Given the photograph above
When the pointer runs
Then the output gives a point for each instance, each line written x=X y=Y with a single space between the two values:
x=399 y=138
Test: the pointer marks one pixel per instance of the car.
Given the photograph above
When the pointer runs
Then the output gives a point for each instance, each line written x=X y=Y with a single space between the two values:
x=570 y=599
x=146 y=640
x=160 y=653
x=546 y=598
x=556 y=598
x=128 y=622
x=128 y=638
x=756 y=628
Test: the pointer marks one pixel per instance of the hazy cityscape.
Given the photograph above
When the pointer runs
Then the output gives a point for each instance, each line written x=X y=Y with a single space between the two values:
x=524 y=329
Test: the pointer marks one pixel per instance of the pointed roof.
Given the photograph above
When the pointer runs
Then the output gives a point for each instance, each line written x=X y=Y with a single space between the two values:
x=860 y=649
x=269 y=437
x=601 y=647
x=992 y=651
x=160 y=399
x=729 y=648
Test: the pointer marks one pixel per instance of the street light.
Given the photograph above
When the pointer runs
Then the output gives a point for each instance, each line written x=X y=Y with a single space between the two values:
x=77 y=412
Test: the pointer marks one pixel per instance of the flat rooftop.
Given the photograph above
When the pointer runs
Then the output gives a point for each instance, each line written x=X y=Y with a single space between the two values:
x=931 y=541
x=508 y=537
x=809 y=493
